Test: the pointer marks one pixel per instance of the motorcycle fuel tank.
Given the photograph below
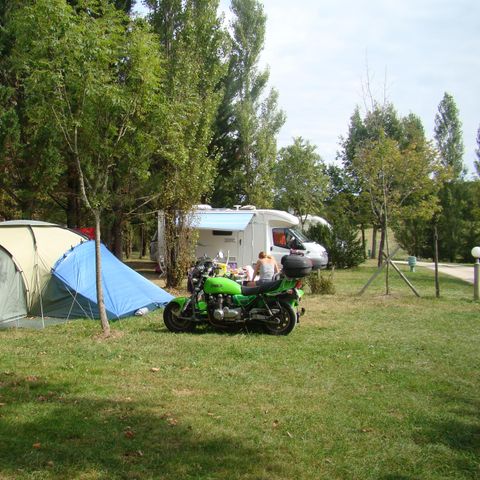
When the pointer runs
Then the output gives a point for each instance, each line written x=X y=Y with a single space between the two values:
x=225 y=286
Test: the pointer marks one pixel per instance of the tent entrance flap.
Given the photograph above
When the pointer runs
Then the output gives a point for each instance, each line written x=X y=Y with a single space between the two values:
x=234 y=222
x=13 y=304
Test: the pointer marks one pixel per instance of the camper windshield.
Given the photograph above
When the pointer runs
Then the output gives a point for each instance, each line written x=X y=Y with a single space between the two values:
x=300 y=235
x=289 y=238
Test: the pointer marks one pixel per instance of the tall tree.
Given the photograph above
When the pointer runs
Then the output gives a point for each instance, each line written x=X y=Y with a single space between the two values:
x=400 y=182
x=90 y=98
x=301 y=184
x=346 y=206
x=448 y=136
x=380 y=121
x=23 y=170
x=193 y=41
x=249 y=120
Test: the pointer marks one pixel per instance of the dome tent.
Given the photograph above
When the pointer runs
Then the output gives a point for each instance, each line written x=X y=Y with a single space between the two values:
x=72 y=290
x=30 y=253
x=30 y=248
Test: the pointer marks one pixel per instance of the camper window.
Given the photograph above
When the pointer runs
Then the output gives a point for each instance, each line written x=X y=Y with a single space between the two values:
x=221 y=233
x=288 y=238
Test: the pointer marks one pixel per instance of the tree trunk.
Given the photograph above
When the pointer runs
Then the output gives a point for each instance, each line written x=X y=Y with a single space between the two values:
x=364 y=243
x=171 y=246
x=98 y=272
x=381 y=248
x=143 y=241
x=373 y=253
x=117 y=232
x=73 y=205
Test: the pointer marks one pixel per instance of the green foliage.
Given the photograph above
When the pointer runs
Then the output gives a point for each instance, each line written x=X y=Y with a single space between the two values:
x=379 y=122
x=191 y=37
x=248 y=121
x=90 y=101
x=26 y=177
x=300 y=182
x=393 y=169
x=400 y=180
x=448 y=136
x=341 y=242
x=414 y=235
x=459 y=224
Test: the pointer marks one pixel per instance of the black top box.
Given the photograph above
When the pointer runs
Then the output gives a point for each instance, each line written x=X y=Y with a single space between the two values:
x=296 y=266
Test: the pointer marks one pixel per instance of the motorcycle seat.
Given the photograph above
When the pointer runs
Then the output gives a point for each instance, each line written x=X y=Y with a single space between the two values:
x=264 y=287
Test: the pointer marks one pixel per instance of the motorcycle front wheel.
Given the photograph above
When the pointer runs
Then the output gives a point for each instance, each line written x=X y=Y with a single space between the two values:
x=172 y=320
x=283 y=320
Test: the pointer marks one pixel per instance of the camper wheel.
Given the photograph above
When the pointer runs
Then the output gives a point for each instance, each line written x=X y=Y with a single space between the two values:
x=172 y=320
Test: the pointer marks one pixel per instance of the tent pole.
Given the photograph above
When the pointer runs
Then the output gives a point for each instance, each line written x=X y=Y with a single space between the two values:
x=38 y=286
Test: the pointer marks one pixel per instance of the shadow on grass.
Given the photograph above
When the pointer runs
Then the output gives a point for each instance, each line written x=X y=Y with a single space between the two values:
x=458 y=430
x=207 y=329
x=48 y=432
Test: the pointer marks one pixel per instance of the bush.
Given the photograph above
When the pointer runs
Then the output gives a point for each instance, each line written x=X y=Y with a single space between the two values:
x=319 y=283
x=341 y=241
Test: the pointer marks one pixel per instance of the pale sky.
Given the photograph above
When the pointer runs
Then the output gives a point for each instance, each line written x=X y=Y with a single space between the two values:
x=318 y=51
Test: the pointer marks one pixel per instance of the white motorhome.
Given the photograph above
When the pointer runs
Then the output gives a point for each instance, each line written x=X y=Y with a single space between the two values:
x=243 y=232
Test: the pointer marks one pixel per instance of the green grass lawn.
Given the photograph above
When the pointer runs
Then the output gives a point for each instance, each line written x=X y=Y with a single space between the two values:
x=369 y=387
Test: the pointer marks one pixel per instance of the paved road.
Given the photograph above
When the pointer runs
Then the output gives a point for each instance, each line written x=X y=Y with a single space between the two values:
x=458 y=271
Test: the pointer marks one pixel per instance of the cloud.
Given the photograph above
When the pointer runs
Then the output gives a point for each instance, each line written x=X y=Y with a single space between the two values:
x=318 y=51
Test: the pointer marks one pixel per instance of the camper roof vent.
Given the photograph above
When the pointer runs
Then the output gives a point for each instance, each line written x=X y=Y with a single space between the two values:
x=204 y=207
x=248 y=207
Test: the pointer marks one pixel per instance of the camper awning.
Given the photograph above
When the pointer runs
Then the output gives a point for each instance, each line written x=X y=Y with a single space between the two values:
x=227 y=221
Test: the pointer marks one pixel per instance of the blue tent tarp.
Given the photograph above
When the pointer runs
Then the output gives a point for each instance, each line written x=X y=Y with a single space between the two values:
x=72 y=289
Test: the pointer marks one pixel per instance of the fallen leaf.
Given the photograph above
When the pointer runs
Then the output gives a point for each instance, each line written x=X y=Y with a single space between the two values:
x=172 y=422
x=2 y=404
x=129 y=433
x=50 y=463
x=275 y=423
x=154 y=369
x=37 y=445
x=137 y=453
x=32 y=378
x=366 y=430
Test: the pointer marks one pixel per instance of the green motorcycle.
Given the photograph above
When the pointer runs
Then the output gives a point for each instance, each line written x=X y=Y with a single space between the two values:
x=224 y=303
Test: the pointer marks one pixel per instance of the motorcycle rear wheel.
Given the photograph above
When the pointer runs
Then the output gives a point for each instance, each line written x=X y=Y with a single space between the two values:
x=173 y=322
x=286 y=317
